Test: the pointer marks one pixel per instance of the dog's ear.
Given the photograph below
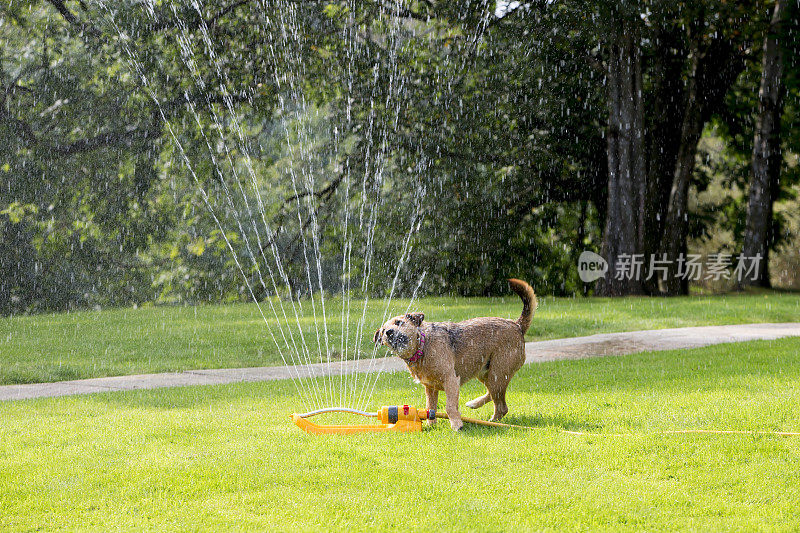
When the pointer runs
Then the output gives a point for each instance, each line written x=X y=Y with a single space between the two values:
x=416 y=318
x=376 y=336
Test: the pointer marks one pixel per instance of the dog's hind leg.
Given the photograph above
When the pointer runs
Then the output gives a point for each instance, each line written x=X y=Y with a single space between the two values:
x=499 y=399
x=500 y=373
x=480 y=401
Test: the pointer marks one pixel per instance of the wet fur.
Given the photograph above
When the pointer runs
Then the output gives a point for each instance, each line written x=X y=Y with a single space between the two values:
x=490 y=349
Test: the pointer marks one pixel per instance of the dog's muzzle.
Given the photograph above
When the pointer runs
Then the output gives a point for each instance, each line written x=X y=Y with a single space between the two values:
x=395 y=339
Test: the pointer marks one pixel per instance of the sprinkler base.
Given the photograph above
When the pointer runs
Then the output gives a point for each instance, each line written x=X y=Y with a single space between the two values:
x=391 y=418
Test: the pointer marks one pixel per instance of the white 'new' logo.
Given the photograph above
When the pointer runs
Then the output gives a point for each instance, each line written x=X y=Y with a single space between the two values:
x=591 y=266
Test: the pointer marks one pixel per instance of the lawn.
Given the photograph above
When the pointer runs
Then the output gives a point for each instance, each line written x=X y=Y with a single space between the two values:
x=226 y=457
x=160 y=339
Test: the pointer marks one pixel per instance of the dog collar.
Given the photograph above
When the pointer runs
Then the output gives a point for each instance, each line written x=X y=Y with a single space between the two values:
x=418 y=354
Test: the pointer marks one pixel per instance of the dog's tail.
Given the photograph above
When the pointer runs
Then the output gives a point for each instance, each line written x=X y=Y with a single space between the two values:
x=529 y=302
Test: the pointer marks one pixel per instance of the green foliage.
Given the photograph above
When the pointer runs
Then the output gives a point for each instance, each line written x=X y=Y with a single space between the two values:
x=433 y=142
x=735 y=125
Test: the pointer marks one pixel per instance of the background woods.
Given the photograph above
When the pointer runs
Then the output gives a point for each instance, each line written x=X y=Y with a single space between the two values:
x=477 y=140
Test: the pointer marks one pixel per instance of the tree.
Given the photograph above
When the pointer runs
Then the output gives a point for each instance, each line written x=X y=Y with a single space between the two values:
x=479 y=140
x=624 y=230
x=767 y=155
x=717 y=43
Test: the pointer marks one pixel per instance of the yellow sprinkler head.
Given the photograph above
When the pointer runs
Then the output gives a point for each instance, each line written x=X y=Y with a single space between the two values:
x=390 y=418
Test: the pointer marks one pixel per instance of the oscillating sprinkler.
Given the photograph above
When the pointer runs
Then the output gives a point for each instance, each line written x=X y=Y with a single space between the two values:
x=390 y=418
x=404 y=418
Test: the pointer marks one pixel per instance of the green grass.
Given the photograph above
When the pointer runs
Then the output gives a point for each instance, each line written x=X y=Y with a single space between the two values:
x=227 y=458
x=161 y=339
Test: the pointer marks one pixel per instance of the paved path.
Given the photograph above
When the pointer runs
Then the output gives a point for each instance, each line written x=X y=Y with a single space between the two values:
x=603 y=344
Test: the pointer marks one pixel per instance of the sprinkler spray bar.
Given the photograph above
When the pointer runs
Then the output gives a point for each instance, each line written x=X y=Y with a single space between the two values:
x=335 y=410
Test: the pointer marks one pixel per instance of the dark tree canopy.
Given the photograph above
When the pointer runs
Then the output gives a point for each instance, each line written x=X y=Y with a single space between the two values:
x=170 y=151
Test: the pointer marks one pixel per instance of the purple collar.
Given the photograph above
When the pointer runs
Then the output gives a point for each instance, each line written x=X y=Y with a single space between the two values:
x=418 y=354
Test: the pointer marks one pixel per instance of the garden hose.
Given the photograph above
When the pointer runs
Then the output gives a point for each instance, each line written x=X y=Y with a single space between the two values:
x=667 y=432
x=486 y=422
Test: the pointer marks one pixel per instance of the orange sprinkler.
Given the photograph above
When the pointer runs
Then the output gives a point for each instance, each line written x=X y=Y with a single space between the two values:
x=390 y=418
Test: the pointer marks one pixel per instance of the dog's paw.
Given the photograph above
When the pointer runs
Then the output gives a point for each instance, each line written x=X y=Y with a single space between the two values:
x=430 y=423
x=456 y=425
x=499 y=414
x=473 y=404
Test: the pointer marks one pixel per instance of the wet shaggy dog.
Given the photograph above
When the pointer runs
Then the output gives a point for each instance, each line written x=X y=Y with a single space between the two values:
x=445 y=355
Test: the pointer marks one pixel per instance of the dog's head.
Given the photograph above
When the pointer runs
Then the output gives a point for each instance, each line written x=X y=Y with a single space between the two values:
x=400 y=334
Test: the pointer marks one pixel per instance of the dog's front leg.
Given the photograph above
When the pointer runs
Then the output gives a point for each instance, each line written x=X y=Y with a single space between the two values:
x=451 y=388
x=431 y=401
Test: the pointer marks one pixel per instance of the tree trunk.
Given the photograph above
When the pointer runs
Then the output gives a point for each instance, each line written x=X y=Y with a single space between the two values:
x=767 y=157
x=666 y=102
x=624 y=229
x=713 y=67
x=673 y=239
x=580 y=237
x=638 y=145
x=648 y=183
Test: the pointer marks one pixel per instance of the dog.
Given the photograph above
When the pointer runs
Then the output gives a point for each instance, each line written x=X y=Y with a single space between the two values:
x=445 y=355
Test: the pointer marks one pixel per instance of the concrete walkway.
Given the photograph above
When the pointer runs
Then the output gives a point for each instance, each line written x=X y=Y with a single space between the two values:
x=536 y=352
